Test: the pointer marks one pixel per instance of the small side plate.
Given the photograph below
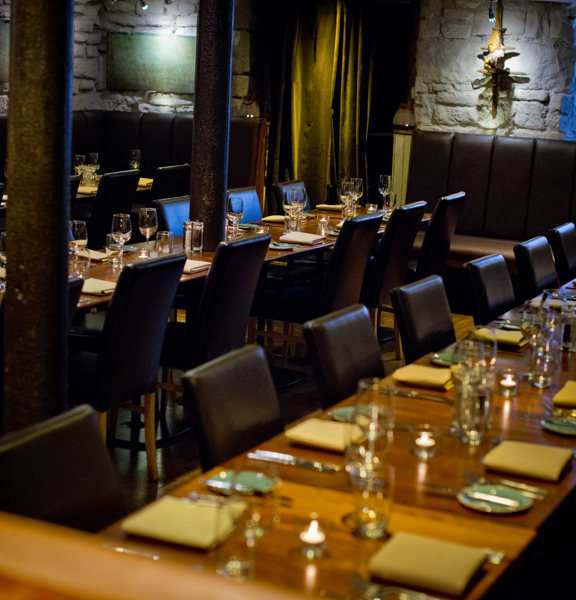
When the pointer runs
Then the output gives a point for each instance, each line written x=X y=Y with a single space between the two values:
x=444 y=359
x=560 y=425
x=251 y=480
x=524 y=503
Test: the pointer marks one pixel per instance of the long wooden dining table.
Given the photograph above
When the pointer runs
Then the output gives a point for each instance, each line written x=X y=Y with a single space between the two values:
x=343 y=571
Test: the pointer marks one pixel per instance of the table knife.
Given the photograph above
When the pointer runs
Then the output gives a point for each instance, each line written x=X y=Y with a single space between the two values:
x=493 y=499
x=416 y=394
x=288 y=459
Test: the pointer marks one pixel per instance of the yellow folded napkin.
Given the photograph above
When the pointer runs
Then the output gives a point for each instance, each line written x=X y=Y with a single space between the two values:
x=98 y=287
x=566 y=397
x=423 y=376
x=180 y=522
x=191 y=266
x=273 y=219
x=319 y=434
x=87 y=189
x=145 y=182
x=532 y=460
x=299 y=237
x=503 y=336
x=93 y=255
x=413 y=560
x=328 y=207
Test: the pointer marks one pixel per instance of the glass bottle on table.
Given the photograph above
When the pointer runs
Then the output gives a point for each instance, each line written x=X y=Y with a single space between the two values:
x=121 y=232
x=148 y=225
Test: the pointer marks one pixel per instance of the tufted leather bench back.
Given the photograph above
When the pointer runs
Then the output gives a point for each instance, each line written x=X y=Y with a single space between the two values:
x=516 y=188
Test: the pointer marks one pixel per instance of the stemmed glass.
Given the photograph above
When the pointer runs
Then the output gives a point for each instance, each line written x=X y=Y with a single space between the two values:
x=79 y=162
x=385 y=188
x=121 y=232
x=346 y=194
x=298 y=201
x=148 y=225
x=235 y=212
x=358 y=186
x=78 y=241
x=94 y=165
x=135 y=159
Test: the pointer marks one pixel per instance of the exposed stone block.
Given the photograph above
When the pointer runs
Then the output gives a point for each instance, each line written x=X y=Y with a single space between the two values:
x=120 y=6
x=240 y=85
x=89 y=11
x=83 y=24
x=79 y=50
x=92 y=51
x=187 y=21
x=86 y=68
x=531 y=115
x=521 y=93
x=241 y=52
x=456 y=28
x=187 y=31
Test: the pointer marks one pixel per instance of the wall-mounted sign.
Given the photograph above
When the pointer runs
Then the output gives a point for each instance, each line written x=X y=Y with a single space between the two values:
x=142 y=61
x=4 y=52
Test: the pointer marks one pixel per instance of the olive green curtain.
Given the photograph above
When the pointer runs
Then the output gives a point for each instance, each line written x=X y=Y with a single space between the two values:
x=319 y=95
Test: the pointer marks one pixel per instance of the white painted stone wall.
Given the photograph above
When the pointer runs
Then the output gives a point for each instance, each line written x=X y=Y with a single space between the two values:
x=450 y=37
x=93 y=19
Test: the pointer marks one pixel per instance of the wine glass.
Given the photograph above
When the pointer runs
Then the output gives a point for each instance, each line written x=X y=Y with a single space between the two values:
x=235 y=212
x=385 y=188
x=147 y=224
x=358 y=186
x=79 y=162
x=78 y=241
x=346 y=194
x=135 y=159
x=94 y=158
x=121 y=232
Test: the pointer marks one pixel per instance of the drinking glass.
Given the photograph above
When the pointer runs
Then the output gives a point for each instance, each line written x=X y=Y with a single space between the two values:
x=531 y=322
x=358 y=186
x=135 y=159
x=346 y=194
x=121 y=232
x=78 y=241
x=235 y=212
x=147 y=224
x=552 y=304
x=385 y=188
x=164 y=242
x=94 y=158
x=79 y=162
x=297 y=201
x=546 y=356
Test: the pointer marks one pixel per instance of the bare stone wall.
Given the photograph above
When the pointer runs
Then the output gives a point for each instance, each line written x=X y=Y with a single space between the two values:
x=93 y=19
x=450 y=38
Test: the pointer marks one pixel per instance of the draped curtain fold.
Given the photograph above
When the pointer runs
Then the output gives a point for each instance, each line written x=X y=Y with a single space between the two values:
x=320 y=70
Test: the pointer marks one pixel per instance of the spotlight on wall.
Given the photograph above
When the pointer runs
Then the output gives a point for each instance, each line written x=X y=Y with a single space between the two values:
x=491 y=15
x=143 y=4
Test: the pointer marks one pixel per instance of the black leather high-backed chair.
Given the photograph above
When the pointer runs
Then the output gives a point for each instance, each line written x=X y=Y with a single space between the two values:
x=75 y=290
x=121 y=363
x=344 y=349
x=60 y=471
x=563 y=242
x=491 y=287
x=172 y=212
x=170 y=182
x=535 y=266
x=424 y=318
x=252 y=208
x=217 y=323
x=279 y=189
x=438 y=237
x=233 y=404
x=115 y=194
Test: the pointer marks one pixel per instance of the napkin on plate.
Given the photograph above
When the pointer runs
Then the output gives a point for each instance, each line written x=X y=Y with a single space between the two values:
x=566 y=397
x=145 y=182
x=273 y=219
x=329 y=207
x=94 y=255
x=436 y=565
x=503 y=336
x=98 y=287
x=87 y=189
x=319 y=434
x=299 y=237
x=188 y=523
x=532 y=460
x=424 y=376
x=191 y=266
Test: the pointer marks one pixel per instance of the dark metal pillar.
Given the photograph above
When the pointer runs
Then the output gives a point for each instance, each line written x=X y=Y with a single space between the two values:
x=39 y=163
x=209 y=174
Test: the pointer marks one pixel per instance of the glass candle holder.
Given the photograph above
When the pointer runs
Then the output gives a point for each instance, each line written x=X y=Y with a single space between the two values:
x=425 y=441
x=312 y=537
x=262 y=229
x=507 y=383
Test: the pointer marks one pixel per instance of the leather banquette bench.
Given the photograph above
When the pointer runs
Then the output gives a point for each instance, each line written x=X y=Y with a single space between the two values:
x=516 y=188
x=164 y=139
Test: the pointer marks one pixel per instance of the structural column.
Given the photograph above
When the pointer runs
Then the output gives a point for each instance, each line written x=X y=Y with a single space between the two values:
x=209 y=174
x=39 y=166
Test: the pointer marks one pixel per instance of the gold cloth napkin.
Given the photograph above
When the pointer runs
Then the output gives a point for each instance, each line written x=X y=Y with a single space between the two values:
x=329 y=207
x=503 y=336
x=145 y=182
x=87 y=189
x=566 y=397
x=191 y=266
x=188 y=523
x=299 y=237
x=98 y=287
x=423 y=376
x=93 y=255
x=273 y=219
x=532 y=460
x=318 y=433
x=413 y=560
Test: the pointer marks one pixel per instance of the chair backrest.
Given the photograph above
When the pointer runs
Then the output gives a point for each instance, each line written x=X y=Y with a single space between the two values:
x=233 y=404
x=60 y=471
x=563 y=242
x=75 y=290
x=170 y=182
x=222 y=318
x=115 y=194
x=134 y=330
x=347 y=264
x=535 y=266
x=172 y=212
x=344 y=349
x=387 y=268
x=438 y=236
x=74 y=185
x=281 y=188
x=491 y=287
x=252 y=208
x=423 y=315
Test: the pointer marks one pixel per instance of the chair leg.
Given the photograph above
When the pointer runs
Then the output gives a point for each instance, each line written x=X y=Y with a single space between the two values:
x=102 y=418
x=150 y=435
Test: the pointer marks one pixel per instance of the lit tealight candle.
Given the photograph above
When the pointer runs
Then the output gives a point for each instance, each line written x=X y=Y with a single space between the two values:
x=312 y=540
x=424 y=443
x=508 y=384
